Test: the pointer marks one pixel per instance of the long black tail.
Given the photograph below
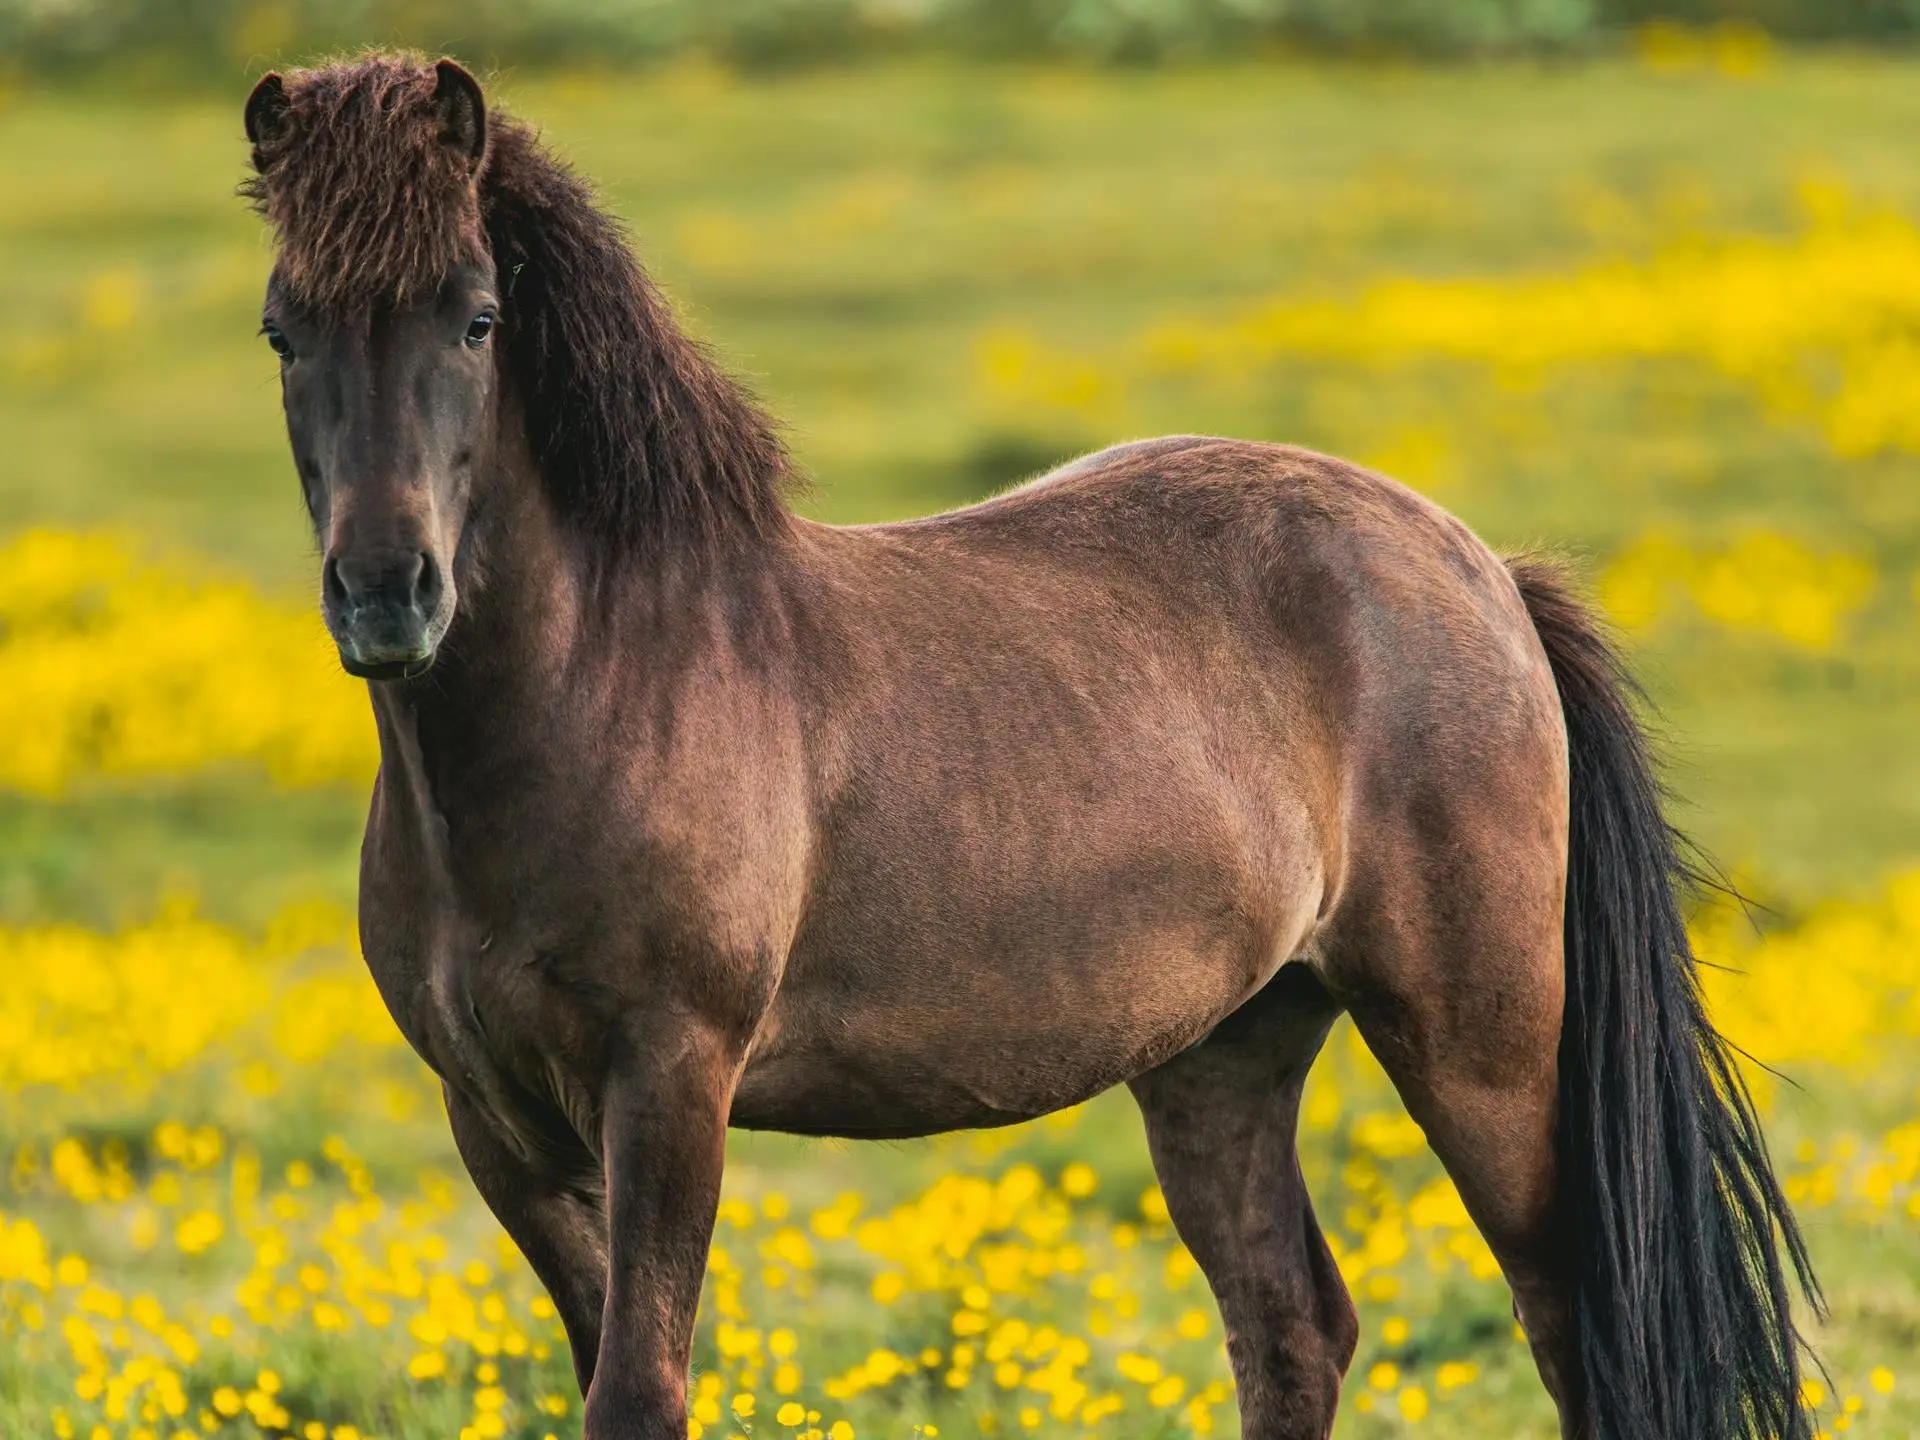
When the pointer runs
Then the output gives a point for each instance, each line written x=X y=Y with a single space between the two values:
x=1683 y=1307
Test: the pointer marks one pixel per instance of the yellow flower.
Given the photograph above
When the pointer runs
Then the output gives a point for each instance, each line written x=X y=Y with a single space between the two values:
x=130 y=668
x=1141 y=1369
x=198 y=1232
x=427 y=1365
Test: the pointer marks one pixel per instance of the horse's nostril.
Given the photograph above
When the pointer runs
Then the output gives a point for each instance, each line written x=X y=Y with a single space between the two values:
x=331 y=583
x=426 y=582
x=372 y=583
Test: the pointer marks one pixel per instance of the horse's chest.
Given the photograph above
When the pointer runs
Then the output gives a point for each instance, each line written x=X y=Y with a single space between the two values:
x=490 y=1024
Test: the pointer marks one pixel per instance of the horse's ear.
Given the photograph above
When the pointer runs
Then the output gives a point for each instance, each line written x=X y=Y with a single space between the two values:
x=462 y=111
x=269 y=117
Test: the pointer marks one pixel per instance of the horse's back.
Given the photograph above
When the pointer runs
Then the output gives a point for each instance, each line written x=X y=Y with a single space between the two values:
x=1341 y=578
x=1263 y=502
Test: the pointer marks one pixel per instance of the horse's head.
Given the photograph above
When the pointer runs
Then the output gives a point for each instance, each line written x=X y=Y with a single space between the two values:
x=382 y=308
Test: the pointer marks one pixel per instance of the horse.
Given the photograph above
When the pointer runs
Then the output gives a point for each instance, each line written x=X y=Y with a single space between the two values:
x=693 y=812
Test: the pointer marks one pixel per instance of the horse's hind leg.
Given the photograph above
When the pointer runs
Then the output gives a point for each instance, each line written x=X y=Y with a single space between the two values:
x=1221 y=1120
x=1453 y=975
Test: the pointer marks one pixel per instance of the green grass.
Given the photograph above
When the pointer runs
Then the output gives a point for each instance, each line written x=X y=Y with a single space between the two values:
x=845 y=239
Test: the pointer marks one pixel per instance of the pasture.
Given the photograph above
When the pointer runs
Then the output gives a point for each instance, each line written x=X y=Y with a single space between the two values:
x=1658 y=314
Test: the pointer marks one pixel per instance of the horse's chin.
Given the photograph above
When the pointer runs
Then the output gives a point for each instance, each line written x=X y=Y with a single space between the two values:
x=402 y=669
x=390 y=651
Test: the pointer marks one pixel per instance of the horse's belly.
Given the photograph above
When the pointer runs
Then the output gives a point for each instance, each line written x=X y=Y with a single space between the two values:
x=898 y=1070
x=841 y=1101
x=867 y=1101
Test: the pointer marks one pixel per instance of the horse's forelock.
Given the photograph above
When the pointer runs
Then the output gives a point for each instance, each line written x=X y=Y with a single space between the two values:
x=368 y=202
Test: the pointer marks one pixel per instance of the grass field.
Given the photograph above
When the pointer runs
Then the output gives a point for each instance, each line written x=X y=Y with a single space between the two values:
x=1662 y=317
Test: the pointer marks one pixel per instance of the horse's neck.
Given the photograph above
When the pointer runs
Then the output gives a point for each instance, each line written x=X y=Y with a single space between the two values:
x=500 y=686
x=548 y=660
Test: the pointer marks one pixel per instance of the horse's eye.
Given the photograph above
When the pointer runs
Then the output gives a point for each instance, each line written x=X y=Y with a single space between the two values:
x=279 y=343
x=478 y=329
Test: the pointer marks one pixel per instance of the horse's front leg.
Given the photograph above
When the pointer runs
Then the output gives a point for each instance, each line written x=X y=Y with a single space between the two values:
x=663 y=1133
x=561 y=1232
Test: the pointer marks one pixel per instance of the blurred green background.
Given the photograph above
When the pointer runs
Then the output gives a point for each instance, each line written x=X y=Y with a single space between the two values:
x=857 y=241
x=199 y=37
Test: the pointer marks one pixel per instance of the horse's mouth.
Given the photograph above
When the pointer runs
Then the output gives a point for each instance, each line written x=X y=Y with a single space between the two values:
x=388 y=647
x=387 y=669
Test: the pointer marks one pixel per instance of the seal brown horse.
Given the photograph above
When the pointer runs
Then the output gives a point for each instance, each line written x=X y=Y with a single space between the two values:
x=692 y=812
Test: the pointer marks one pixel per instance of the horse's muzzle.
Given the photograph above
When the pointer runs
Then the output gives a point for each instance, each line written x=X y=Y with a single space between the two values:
x=385 y=617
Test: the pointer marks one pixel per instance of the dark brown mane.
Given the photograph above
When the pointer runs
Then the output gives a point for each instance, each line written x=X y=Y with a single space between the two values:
x=637 y=431
x=642 y=440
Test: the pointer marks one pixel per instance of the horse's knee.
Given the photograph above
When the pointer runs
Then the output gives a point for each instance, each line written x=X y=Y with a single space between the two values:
x=1289 y=1378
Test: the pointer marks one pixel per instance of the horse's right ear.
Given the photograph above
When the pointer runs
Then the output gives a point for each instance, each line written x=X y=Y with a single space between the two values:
x=462 y=110
x=269 y=117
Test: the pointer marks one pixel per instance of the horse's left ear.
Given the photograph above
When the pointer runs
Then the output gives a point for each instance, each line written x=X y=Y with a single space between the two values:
x=462 y=111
